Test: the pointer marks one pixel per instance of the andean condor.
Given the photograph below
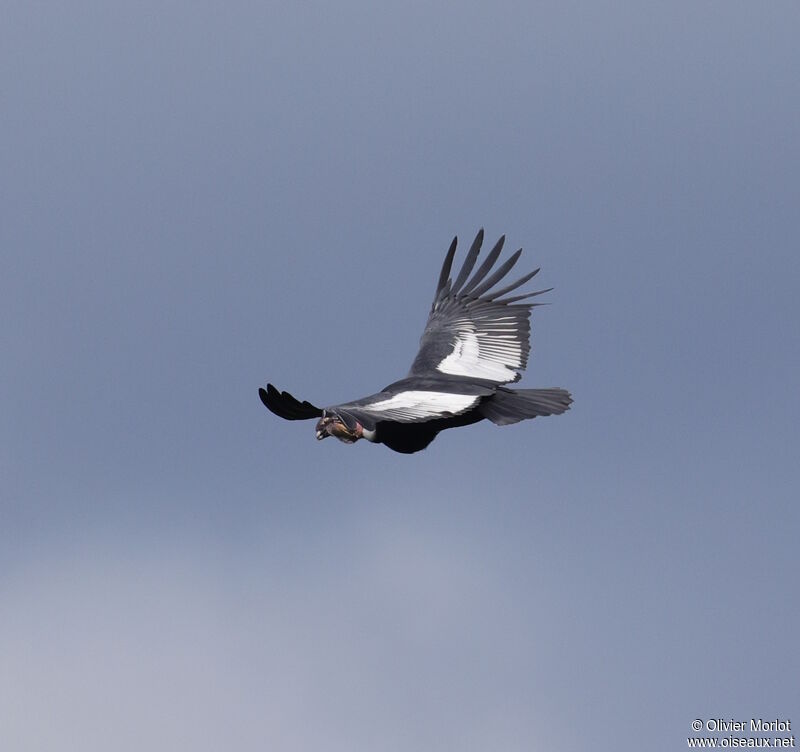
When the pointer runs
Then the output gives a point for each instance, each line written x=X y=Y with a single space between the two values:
x=475 y=341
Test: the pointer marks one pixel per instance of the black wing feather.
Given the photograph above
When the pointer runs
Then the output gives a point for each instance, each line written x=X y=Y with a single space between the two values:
x=285 y=406
x=498 y=275
x=469 y=262
x=515 y=298
x=513 y=286
x=444 y=275
x=485 y=266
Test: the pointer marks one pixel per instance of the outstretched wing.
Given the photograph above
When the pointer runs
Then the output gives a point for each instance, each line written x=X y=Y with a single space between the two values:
x=287 y=407
x=415 y=400
x=473 y=331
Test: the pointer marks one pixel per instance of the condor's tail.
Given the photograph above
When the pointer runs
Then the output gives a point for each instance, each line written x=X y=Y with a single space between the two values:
x=508 y=406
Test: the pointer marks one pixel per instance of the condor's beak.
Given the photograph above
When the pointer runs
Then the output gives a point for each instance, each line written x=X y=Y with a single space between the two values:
x=321 y=435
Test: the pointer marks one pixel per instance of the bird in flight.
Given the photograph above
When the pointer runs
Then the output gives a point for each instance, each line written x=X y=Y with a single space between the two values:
x=476 y=340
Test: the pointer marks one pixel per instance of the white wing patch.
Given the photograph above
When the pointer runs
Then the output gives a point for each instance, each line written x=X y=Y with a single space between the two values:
x=421 y=404
x=494 y=354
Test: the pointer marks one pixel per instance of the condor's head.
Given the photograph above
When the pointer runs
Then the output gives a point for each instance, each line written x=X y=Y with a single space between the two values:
x=344 y=427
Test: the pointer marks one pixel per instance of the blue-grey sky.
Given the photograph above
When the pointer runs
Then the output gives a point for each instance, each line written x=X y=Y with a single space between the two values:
x=200 y=197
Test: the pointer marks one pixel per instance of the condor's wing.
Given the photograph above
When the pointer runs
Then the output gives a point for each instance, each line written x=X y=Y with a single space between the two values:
x=415 y=400
x=474 y=331
x=287 y=407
